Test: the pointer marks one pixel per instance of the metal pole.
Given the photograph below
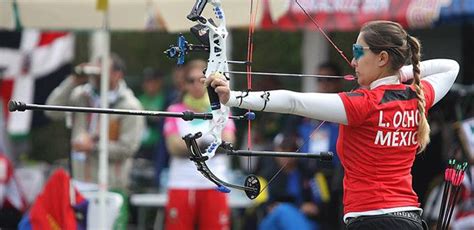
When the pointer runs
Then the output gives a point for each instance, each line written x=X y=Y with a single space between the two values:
x=69 y=149
x=104 y=122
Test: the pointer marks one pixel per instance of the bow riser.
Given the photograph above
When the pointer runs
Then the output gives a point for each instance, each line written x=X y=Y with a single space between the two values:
x=217 y=62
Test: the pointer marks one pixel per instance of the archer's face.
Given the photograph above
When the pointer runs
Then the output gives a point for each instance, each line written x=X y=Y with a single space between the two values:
x=366 y=63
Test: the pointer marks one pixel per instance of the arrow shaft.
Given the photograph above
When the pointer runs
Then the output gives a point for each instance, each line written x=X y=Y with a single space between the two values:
x=284 y=74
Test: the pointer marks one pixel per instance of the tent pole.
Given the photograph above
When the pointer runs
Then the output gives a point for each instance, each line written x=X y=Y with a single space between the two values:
x=104 y=120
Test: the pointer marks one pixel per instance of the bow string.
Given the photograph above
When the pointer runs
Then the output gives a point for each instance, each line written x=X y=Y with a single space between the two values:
x=346 y=77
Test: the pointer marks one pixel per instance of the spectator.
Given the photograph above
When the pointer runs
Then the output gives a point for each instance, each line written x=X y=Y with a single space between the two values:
x=153 y=98
x=179 y=84
x=82 y=89
x=295 y=201
x=192 y=199
x=153 y=147
x=13 y=202
x=325 y=140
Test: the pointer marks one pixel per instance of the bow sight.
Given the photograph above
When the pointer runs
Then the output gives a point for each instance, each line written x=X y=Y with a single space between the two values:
x=182 y=47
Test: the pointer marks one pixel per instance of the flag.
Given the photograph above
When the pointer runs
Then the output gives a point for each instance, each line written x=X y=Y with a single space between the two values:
x=10 y=191
x=59 y=206
x=12 y=198
x=32 y=64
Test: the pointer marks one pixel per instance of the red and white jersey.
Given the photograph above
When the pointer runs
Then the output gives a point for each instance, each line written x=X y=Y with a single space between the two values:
x=378 y=160
x=377 y=139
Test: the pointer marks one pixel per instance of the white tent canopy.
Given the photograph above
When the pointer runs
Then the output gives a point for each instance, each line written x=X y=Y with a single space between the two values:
x=169 y=15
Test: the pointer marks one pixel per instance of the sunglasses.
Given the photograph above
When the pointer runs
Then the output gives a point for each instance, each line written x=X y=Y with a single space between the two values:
x=191 y=80
x=358 y=51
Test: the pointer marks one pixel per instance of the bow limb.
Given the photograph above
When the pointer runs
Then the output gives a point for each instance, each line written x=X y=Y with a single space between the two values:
x=251 y=186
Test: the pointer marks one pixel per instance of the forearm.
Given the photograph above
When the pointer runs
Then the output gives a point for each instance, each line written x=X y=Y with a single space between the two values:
x=321 y=106
x=176 y=146
x=440 y=73
x=60 y=96
x=430 y=67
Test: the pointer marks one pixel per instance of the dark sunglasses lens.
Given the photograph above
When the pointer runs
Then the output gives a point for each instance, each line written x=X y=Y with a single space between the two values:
x=357 y=51
x=192 y=79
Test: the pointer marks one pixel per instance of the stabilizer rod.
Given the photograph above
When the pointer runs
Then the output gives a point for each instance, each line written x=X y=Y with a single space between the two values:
x=187 y=115
x=229 y=150
x=326 y=156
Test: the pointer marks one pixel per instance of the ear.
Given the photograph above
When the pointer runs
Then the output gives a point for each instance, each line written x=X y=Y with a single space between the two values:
x=383 y=59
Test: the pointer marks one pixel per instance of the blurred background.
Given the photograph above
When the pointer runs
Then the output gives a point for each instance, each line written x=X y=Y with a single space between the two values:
x=42 y=41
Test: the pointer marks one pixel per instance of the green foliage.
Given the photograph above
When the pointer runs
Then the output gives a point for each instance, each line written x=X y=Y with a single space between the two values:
x=344 y=41
x=50 y=142
x=273 y=51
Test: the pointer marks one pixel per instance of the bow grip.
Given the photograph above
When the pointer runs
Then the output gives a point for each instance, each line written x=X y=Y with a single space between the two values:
x=213 y=98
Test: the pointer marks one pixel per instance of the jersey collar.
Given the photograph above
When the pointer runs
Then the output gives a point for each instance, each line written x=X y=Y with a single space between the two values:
x=390 y=80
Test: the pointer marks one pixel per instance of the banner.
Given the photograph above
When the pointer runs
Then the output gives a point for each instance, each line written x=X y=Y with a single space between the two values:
x=350 y=15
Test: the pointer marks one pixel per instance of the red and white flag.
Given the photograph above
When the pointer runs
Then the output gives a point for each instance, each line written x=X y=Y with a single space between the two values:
x=32 y=64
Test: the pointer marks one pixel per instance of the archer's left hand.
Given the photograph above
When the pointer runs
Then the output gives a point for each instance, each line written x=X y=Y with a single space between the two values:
x=220 y=85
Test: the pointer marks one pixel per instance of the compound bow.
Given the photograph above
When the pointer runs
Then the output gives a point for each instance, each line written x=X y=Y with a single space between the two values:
x=213 y=38
x=213 y=35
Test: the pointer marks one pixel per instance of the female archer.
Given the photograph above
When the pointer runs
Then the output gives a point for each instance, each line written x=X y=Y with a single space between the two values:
x=193 y=201
x=383 y=124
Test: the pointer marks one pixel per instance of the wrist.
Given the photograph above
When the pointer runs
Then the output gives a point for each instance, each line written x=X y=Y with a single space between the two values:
x=233 y=99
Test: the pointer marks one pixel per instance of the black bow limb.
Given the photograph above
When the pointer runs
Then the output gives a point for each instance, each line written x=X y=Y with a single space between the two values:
x=251 y=186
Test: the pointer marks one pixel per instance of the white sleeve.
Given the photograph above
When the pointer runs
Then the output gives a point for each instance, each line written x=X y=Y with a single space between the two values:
x=440 y=73
x=321 y=106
